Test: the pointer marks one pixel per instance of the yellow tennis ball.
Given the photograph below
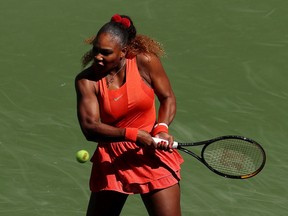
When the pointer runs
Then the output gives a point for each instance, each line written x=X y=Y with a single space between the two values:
x=82 y=156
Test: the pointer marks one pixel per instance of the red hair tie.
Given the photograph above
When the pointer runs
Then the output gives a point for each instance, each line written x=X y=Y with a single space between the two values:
x=124 y=21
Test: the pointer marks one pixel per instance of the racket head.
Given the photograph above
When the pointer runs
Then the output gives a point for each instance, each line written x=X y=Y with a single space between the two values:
x=234 y=157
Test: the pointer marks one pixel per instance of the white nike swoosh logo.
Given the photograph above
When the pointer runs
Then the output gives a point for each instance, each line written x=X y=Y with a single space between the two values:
x=117 y=98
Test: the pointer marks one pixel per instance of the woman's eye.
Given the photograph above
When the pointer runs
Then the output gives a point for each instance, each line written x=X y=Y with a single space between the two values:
x=105 y=53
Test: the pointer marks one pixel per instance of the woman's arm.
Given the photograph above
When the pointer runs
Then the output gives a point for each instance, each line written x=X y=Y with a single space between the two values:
x=89 y=115
x=153 y=72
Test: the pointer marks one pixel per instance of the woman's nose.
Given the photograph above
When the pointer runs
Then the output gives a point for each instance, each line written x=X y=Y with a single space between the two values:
x=99 y=57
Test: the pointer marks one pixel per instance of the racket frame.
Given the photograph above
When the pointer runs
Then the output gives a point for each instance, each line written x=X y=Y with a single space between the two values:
x=181 y=146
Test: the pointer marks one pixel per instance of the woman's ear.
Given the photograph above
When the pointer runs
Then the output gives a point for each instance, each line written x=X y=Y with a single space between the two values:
x=123 y=52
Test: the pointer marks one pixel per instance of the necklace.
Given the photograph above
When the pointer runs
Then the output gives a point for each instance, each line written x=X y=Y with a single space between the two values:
x=111 y=80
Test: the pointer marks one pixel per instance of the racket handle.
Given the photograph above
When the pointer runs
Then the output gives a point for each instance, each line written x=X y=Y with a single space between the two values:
x=175 y=144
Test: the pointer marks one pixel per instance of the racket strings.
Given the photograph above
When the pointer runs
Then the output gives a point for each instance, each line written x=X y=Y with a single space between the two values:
x=234 y=157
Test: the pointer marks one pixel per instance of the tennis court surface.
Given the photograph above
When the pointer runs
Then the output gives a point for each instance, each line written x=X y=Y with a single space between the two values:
x=227 y=61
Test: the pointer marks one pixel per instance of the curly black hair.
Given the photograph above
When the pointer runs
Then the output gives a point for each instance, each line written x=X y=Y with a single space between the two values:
x=128 y=37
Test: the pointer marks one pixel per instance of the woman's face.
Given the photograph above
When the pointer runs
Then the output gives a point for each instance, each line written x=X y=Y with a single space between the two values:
x=107 y=52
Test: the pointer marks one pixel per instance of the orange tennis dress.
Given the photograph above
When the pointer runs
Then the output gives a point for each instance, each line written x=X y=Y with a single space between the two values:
x=124 y=166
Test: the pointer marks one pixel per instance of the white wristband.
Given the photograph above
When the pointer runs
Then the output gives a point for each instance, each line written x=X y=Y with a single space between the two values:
x=163 y=124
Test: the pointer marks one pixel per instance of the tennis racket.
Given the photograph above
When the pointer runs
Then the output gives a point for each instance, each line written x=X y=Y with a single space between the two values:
x=233 y=157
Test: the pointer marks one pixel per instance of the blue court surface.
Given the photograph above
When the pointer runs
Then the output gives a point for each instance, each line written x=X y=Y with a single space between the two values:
x=227 y=62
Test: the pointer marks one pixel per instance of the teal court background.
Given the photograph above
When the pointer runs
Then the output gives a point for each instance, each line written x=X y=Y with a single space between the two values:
x=227 y=61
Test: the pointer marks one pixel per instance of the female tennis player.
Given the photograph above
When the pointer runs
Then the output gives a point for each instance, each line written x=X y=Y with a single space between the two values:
x=116 y=109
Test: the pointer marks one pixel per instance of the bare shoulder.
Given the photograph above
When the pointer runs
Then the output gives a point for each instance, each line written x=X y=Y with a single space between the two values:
x=148 y=64
x=86 y=82
x=85 y=74
x=147 y=59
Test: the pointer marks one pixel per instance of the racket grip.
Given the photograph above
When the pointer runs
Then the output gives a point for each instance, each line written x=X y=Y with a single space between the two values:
x=175 y=144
